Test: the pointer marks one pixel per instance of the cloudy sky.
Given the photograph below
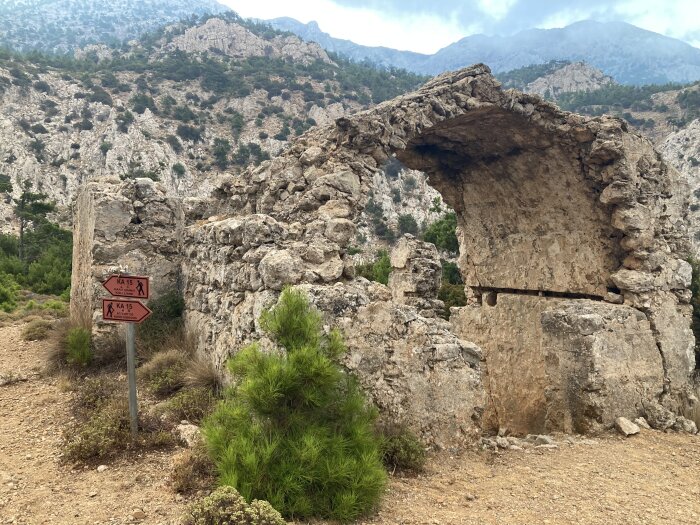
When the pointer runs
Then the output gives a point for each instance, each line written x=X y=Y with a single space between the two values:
x=426 y=26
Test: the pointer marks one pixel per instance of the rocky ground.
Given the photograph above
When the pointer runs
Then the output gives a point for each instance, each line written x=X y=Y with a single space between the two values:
x=651 y=478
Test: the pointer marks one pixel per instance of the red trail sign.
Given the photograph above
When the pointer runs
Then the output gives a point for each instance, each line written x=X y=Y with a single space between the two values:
x=124 y=311
x=128 y=286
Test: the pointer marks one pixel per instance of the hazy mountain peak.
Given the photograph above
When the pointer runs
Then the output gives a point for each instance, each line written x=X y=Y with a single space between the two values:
x=628 y=53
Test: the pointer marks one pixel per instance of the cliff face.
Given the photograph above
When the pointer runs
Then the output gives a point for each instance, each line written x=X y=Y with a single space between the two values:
x=64 y=25
x=206 y=103
x=682 y=150
x=572 y=242
x=578 y=76
x=57 y=133
x=236 y=41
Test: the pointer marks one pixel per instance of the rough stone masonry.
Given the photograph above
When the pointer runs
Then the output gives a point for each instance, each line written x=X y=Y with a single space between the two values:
x=572 y=244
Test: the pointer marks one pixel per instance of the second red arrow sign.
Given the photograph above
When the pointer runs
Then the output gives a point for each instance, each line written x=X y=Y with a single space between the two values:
x=124 y=311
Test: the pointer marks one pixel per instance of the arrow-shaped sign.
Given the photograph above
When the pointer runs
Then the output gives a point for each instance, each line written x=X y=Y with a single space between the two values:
x=128 y=286
x=124 y=311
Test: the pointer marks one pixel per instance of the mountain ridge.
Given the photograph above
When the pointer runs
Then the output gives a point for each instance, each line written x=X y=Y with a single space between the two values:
x=642 y=57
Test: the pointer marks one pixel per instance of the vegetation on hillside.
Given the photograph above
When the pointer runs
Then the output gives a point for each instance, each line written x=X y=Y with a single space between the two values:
x=443 y=233
x=521 y=77
x=39 y=258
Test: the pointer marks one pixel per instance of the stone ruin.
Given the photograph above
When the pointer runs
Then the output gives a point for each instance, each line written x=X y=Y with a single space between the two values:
x=572 y=239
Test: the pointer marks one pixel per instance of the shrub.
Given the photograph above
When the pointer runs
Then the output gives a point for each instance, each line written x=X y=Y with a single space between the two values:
x=124 y=120
x=193 y=470
x=186 y=132
x=103 y=427
x=78 y=347
x=295 y=429
x=226 y=505
x=443 y=233
x=450 y=273
x=222 y=148
x=42 y=86
x=9 y=292
x=192 y=404
x=174 y=143
x=408 y=224
x=105 y=147
x=105 y=431
x=695 y=302
x=165 y=322
x=401 y=449
x=141 y=102
x=165 y=372
x=92 y=395
x=378 y=270
x=409 y=183
x=54 y=306
x=36 y=330
x=178 y=169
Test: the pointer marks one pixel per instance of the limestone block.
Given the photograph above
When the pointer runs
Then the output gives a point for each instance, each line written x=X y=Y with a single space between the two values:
x=340 y=230
x=602 y=363
x=279 y=268
x=416 y=271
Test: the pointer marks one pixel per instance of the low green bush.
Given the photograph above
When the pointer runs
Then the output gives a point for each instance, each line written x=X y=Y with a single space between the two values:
x=105 y=431
x=163 y=324
x=401 y=449
x=9 y=293
x=443 y=233
x=378 y=270
x=92 y=395
x=193 y=470
x=79 y=346
x=226 y=506
x=165 y=372
x=695 y=303
x=192 y=404
x=295 y=429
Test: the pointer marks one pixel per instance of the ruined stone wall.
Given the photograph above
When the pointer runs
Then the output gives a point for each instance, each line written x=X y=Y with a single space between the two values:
x=576 y=211
x=122 y=227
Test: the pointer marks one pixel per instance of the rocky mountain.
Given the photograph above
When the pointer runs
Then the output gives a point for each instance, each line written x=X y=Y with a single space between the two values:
x=186 y=108
x=627 y=53
x=382 y=56
x=64 y=25
x=554 y=78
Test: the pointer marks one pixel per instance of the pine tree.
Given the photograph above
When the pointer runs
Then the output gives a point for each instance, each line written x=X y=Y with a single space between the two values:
x=295 y=429
x=31 y=209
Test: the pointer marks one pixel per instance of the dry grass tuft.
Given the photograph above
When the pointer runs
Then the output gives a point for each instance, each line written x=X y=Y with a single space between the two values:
x=165 y=372
x=36 y=330
x=201 y=373
x=193 y=471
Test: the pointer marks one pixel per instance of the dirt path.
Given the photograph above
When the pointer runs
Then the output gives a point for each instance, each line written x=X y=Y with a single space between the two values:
x=652 y=479
x=35 y=488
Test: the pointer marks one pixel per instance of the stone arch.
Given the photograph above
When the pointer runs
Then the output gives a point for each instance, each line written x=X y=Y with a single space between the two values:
x=565 y=217
x=572 y=240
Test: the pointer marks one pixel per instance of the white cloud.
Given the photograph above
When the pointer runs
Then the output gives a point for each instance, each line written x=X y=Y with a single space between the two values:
x=563 y=18
x=496 y=9
x=424 y=33
x=677 y=18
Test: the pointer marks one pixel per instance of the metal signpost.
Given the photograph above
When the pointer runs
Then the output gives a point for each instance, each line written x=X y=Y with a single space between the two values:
x=130 y=312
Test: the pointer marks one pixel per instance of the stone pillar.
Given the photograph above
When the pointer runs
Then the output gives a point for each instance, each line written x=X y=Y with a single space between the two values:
x=416 y=275
x=122 y=226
